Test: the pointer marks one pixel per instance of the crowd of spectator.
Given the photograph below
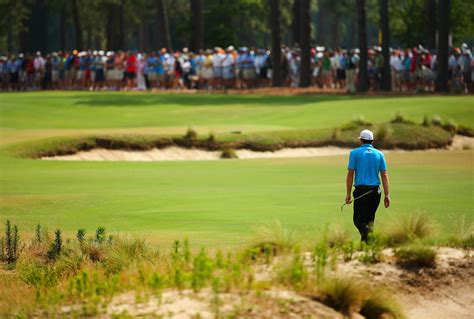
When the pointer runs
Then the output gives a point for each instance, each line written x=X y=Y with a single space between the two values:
x=412 y=69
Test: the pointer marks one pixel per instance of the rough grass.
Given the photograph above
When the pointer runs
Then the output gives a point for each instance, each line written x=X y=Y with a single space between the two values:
x=411 y=228
x=381 y=304
x=401 y=135
x=344 y=294
x=416 y=256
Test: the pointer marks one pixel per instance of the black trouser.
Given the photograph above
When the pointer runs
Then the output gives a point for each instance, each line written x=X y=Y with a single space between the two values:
x=365 y=208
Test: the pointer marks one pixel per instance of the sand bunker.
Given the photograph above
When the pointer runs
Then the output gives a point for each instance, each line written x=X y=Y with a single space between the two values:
x=175 y=153
x=184 y=154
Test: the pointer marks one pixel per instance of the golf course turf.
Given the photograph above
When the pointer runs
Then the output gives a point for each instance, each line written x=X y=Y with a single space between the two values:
x=216 y=203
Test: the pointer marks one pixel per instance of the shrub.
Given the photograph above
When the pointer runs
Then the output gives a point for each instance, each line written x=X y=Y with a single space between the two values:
x=344 y=294
x=400 y=118
x=416 y=226
x=416 y=256
x=81 y=235
x=100 y=235
x=451 y=126
x=56 y=246
x=228 y=153
x=10 y=242
x=212 y=138
x=38 y=234
x=191 y=135
x=426 y=121
x=436 y=120
x=355 y=124
x=381 y=304
x=383 y=133
x=336 y=133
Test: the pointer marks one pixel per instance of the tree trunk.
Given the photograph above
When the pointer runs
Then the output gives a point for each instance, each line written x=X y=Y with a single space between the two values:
x=385 y=28
x=163 y=27
x=430 y=23
x=62 y=27
x=197 y=25
x=305 y=38
x=120 y=41
x=324 y=18
x=296 y=23
x=276 y=42
x=362 y=30
x=77 y=25
x=443 y=46
x=336 y=30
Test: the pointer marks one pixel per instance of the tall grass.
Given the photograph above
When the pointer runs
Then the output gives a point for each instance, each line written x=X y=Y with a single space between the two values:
x=380 y=304
x=272 y=239
x=416 y=256
x=417 y=226
x=345 y=294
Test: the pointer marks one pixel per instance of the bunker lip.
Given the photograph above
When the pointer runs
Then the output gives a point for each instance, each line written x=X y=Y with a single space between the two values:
x=178 y=153
x=174 y=153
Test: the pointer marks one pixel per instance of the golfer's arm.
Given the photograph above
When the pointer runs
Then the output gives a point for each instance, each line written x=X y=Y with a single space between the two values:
x=349 y=181
x=385 y=183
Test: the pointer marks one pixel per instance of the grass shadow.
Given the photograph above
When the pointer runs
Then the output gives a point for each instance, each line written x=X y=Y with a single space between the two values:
x=144 y=99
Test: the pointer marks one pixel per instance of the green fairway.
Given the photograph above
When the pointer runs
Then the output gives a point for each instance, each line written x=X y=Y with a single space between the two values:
x=216 y=202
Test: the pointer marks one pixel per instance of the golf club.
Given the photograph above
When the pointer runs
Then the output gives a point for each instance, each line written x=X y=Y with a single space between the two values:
x=342 y=206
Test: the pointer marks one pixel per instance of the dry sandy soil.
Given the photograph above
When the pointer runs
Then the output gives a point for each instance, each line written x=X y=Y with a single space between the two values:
x=446 y=291
x=177 y=153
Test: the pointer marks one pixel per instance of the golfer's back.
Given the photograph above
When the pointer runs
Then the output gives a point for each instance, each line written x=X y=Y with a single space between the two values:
x=367 y=162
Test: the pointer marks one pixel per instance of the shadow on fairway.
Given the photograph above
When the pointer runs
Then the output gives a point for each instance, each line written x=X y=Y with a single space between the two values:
x=133 y=99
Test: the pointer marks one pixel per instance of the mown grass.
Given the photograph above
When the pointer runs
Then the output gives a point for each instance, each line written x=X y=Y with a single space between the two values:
x=216 y=203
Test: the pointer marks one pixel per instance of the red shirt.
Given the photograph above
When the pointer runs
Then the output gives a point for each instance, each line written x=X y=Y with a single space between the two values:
x=132 y=64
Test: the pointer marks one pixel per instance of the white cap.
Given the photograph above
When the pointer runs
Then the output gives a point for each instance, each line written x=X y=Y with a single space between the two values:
x=366 y=135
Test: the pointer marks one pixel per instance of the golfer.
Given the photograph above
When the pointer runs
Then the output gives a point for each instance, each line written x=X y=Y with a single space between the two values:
x=366 y=163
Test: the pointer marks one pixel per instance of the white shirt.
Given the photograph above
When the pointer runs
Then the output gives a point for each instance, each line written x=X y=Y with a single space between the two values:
x=228 y=60
x=38 y=63
x=396 y=63
x=217 y=59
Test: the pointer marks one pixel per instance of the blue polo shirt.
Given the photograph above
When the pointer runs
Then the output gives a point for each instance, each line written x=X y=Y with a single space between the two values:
x=367 y=162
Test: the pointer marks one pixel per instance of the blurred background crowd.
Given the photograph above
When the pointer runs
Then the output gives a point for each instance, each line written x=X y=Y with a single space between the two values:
x=412 y=69
x=345 y=45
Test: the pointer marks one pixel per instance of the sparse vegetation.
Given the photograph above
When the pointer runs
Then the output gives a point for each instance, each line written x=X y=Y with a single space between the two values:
x=415 y=227
x=228 y=153
x=381 y=304
x=345 y=294
x=400 y=118
x=415 y=256
x=191 y=135
x=356 y=124
x=383 y=133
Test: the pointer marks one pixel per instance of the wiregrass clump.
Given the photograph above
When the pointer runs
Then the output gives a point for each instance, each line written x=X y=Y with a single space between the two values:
x=401 y=118
x=417 y=226
x=351 y=295
x=356 y=123
x=416 y=256
x=381 y=304
x=271 y=239
x=344 y=294
x=229 y=153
